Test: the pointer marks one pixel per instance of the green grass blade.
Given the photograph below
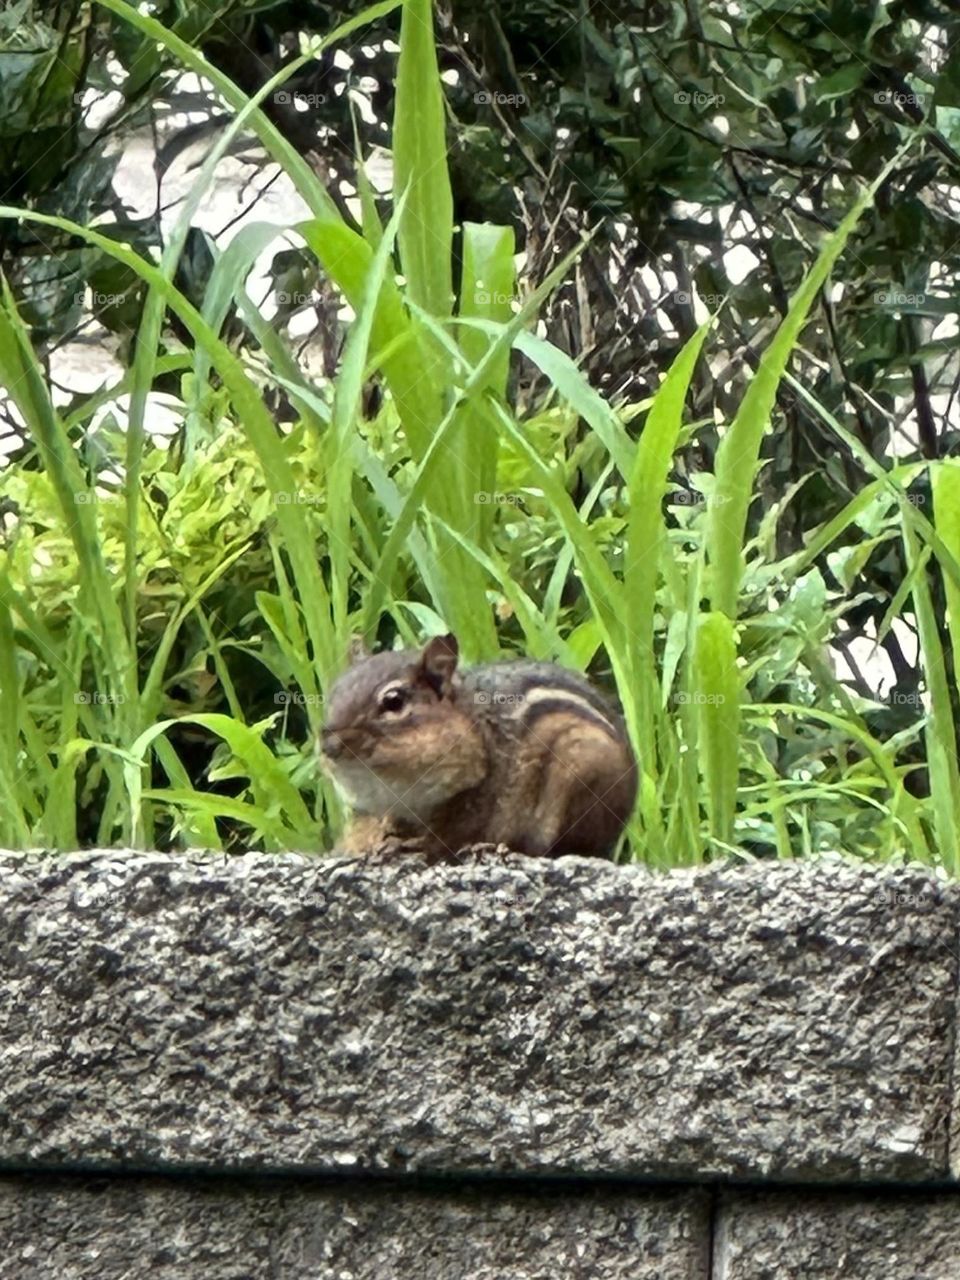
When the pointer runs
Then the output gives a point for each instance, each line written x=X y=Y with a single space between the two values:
x=14 y=829
x=344 y=254
x=646 y=537
x=85 y=411
x=858 y=506
x=22 y=378
x=487 y=286
x=945 y=483
x=348 y=394
x=739 y=450
x=223 y=289
x=342 y=251
x=717 y=694
x=570 y=383
x=540 y=640
x=420 y=164
x=941 y=738
x=348 y=261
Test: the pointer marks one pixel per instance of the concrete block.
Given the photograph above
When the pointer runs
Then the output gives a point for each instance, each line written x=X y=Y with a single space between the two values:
x=790 y=1236
x=56 y=1229
x=514 y=1015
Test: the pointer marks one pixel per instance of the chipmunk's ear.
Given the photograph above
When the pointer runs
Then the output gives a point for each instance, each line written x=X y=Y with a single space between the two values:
x=438 y=662
x=357 y=650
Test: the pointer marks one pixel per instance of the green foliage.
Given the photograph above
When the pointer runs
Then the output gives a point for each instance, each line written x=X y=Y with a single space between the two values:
x=172 y=615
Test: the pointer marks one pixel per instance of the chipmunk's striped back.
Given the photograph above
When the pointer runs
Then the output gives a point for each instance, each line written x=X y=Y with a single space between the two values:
x=527 y=690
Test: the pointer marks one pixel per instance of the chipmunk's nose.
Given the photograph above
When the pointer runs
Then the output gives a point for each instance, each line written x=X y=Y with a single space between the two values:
x=331 y=744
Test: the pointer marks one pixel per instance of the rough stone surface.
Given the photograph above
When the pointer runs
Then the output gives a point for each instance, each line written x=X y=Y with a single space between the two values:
x=790 y=1020
x=816 y=1237
x=120 y=1230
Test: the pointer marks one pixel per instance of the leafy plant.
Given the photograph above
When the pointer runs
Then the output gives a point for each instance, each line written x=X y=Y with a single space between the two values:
x=172 y=616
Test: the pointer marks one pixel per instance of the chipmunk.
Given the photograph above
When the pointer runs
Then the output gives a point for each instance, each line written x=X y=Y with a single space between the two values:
x=520 y=753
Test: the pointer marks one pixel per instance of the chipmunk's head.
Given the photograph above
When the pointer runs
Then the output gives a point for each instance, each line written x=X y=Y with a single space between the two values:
x=395 y=738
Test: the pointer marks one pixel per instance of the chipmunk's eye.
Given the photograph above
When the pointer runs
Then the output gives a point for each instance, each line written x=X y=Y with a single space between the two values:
x=393 y=699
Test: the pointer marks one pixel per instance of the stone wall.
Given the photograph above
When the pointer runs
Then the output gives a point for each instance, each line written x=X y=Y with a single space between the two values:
x=337 y=1069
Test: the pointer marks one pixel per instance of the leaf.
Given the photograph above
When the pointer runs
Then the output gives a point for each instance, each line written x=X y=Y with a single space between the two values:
x=646 y=537
x=420 y=165
x=718 y=710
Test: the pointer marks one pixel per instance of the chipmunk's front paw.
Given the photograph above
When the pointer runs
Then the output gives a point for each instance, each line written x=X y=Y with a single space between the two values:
x=479 y=851
x=393 y=846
